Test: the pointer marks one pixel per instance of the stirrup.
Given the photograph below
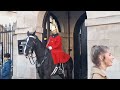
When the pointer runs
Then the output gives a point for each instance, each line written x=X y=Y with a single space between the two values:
x=54 y=71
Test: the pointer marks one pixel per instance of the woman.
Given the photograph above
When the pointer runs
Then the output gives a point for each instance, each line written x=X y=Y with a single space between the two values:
x=55 y=45
x=101 y=58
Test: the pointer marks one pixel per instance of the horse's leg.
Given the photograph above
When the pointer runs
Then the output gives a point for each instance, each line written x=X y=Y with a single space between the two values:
x=37 y=75
x=40 y=73
x=47 y=69
x=46 y=74
x=69 y=67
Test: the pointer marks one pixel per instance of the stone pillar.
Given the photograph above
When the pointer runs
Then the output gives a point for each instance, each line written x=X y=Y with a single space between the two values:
x=26 y=21
x=103 y=28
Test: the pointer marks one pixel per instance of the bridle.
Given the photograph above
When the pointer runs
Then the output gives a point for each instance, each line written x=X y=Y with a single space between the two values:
x=30 y=55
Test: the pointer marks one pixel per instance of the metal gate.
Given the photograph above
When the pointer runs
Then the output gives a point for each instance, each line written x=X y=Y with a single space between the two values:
x=6 y=38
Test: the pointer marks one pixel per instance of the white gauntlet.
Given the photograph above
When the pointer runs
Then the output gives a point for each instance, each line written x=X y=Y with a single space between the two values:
x=49 y=47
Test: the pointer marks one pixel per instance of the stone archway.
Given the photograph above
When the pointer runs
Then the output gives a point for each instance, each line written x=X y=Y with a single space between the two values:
x=58 y=16
x=48 y=20
x=63 y=20
x=26 y=21
x=80 y=48
x=39 y=27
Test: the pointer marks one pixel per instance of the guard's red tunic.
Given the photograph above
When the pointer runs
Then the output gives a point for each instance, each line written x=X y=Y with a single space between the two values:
x=58 y=55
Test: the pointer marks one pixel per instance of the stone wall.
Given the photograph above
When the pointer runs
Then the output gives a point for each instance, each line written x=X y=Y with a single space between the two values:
x=7 y=17
x=22 y=69
x=26 y=21
x=103 y=28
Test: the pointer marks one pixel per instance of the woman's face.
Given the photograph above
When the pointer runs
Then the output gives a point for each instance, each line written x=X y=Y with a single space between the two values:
x=54 y=31
x=5 y=58
x=108 y=59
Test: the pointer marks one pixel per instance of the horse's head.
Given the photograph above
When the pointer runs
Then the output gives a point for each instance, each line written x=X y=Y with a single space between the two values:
x=30 y=43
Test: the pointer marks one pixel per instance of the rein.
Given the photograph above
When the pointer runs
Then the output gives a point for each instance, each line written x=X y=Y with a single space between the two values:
x=39 y=64
x=34 y=61
x=31 y=57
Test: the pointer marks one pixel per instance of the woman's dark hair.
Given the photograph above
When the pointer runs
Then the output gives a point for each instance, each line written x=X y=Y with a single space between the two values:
x=96 y=51
x=7 y=55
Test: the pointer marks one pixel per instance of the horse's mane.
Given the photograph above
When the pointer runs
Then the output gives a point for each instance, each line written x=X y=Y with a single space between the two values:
x=37 y=39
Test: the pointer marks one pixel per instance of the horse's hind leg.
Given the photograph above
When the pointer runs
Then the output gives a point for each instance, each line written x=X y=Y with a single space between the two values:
x=69 y=69
x=37 y=75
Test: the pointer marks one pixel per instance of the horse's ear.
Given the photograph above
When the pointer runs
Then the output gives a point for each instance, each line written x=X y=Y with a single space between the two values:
x=28 y=33
x=34 y=33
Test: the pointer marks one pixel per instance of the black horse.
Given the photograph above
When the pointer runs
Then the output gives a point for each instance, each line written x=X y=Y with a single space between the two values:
x=44 y=63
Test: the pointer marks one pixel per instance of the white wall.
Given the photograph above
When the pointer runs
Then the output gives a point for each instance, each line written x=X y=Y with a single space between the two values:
x=26 y=21
x=7 y=17
x=22 y=69
x=104 y=30
x=97 y=14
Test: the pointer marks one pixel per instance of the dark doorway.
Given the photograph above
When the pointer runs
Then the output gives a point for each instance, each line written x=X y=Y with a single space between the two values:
x=80 y=48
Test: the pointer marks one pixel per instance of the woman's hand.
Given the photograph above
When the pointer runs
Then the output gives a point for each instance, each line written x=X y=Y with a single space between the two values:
x=49 y=47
